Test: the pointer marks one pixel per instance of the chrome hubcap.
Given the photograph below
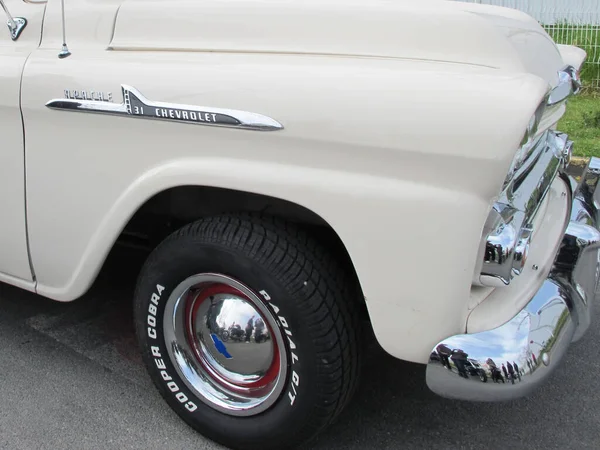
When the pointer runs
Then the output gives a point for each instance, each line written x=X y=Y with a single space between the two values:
x=225 y=344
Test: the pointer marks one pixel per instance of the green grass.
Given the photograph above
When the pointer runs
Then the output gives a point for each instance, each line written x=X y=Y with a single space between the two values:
x=582 y=120
x=582 y=124
x=585 y=37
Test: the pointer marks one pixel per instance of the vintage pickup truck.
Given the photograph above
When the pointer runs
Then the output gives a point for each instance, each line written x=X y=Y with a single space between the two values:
x=300 y=169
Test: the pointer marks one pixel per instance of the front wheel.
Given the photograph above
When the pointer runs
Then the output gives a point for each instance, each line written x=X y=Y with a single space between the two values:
x=290 y=361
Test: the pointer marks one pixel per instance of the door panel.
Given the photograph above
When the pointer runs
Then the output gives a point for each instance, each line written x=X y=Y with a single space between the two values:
x=14 y=260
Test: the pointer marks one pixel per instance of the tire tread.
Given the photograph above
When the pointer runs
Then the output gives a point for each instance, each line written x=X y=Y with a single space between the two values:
x=329 y=301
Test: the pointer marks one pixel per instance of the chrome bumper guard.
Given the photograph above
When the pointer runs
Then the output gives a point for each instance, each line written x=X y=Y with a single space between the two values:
x=515 y=358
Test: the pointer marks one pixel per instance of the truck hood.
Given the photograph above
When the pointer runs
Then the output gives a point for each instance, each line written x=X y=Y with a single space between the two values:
x=433 y=30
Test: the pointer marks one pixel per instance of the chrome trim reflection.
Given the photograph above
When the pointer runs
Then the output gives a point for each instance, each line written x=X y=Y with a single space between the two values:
x=579 y=259
x=569 y=83
x=506 y=235
x=16 y=25
x=500 y=246
x=522 y=250
x=511 y=356
x=563 y=149
x=575 y=78
x=216 y=383
x=136 y=105
x=530 y=147
x=518 y=356
x=231 y=336
x=581 y=246
x=64 y=52
x=587 y=207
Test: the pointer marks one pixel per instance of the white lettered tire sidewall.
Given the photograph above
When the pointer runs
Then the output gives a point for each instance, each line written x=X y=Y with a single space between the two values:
x=299 y=398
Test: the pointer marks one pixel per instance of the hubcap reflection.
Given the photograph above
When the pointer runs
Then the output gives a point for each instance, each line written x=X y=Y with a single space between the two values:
x=225 y=344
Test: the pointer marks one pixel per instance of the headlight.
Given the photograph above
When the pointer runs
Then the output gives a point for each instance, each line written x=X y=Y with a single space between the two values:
x=527 y=143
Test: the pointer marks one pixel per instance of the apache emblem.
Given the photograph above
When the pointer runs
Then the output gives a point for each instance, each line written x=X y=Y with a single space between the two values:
x=136 y=105
x=97 y=96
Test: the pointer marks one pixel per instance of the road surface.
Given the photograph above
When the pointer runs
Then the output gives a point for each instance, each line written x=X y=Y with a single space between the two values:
x=71 y=378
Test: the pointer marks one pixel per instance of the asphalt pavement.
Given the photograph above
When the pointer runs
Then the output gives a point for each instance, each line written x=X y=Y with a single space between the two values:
x=71 y=378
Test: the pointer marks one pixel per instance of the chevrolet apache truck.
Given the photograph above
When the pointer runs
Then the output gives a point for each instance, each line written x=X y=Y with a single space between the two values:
x=299 y=169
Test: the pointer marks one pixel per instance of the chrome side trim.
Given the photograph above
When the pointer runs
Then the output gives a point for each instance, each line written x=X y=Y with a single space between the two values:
x=136 y=105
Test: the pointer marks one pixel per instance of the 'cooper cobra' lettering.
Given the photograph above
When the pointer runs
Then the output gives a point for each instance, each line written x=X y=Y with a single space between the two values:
x=158 y=359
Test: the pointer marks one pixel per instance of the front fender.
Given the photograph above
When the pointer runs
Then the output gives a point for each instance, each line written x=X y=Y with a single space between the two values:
x=402 y=158
x=396 y=246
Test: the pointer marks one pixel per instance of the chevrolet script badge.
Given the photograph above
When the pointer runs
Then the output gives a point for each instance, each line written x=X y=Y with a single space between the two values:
x=136 y=105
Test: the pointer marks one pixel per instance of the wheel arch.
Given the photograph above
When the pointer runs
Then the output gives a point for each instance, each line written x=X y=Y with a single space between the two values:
x=165 y=210
x=170 y=209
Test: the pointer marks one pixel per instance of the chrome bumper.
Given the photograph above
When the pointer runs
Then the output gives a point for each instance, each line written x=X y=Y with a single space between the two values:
x=513 y=359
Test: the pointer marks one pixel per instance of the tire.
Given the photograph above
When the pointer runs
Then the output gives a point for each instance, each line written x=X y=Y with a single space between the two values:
x=255 y=264
x=225 y=336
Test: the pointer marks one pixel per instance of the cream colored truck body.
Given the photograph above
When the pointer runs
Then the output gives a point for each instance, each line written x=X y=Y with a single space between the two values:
x=400 y=118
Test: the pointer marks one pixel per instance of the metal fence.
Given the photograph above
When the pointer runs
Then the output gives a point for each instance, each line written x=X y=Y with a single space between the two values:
x=572 y=22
